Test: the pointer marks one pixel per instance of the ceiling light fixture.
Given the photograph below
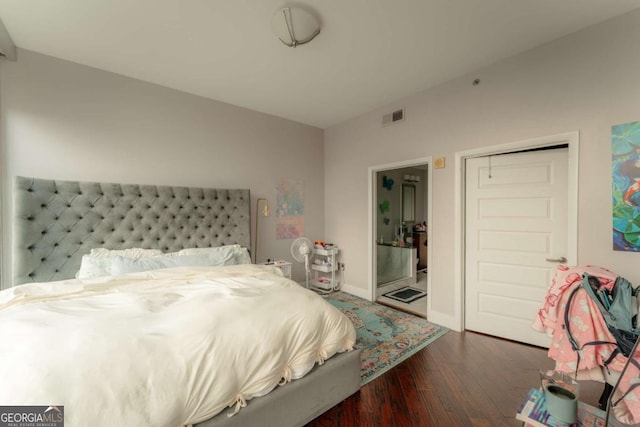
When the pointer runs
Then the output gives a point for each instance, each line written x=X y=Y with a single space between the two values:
x=294 y=26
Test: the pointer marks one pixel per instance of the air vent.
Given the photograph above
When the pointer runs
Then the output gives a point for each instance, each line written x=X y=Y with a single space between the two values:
x=390 y=118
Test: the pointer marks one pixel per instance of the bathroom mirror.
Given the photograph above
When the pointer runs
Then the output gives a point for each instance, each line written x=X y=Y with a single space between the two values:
x=408 y=202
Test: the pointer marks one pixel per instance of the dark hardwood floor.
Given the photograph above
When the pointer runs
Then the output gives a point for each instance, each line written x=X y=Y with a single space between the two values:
x=462 y=379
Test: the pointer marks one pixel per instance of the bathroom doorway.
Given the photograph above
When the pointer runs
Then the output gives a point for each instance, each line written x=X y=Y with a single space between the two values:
x=400 y=230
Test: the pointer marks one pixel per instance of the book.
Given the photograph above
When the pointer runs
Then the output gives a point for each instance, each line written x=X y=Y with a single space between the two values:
x=533 y=413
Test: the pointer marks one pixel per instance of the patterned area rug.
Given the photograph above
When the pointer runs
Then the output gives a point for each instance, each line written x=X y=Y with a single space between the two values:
x=386 y=336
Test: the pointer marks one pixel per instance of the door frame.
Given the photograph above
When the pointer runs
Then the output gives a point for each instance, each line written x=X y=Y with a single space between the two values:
x=571 y=139
x=373 y=203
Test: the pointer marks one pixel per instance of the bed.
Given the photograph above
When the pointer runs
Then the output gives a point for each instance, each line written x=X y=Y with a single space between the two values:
x=58 y=223
x=586 y=324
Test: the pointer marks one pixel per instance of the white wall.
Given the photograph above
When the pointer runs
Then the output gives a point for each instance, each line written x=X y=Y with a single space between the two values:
x=587 y=81
x=66 y=121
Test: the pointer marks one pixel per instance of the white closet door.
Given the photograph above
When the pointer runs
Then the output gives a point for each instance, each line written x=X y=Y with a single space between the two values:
x=515 y=230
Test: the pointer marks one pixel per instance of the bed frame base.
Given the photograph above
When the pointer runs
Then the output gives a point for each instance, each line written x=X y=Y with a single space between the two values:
x=300 y=401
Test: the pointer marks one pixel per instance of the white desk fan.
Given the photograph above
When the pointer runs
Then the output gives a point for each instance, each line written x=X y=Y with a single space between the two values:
x=302 y=251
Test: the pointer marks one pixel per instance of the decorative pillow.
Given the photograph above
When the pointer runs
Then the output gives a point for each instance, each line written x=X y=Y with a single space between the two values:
x=98 y=262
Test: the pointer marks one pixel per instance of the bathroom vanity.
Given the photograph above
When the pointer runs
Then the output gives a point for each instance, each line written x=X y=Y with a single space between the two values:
x=396 y=263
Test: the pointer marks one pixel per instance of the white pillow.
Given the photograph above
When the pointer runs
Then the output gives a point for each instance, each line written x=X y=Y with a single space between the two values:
x=98 y=262
x=122 y=265
x=220 y=255
x=193 y=258
x=133 y=253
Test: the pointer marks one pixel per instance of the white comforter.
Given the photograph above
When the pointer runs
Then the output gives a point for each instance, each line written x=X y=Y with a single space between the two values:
x=162 y=348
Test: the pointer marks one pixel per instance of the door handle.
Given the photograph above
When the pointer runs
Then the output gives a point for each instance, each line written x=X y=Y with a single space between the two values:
x=560 y=260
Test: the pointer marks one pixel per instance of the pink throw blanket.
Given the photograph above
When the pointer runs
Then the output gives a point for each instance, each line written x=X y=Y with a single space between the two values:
x=587 y=325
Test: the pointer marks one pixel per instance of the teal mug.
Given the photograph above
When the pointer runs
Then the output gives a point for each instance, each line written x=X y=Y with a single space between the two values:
x=562 y=404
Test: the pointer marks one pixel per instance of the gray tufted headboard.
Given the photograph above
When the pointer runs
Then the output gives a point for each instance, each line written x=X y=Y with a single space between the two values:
x=56 y=222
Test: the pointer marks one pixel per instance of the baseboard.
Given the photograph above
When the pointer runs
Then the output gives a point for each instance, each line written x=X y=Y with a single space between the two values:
x=359 y=292
x=443 y=319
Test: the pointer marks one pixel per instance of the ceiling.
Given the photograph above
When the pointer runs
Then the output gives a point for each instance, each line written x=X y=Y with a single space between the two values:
x=369 y=53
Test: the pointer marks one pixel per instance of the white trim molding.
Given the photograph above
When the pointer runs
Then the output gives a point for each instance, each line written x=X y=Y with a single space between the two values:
x=353 y=290
x=373 y=203
x=571 y=139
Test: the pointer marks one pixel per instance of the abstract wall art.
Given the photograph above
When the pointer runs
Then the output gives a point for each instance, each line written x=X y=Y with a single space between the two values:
x=290 y=211
x=625 y=157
